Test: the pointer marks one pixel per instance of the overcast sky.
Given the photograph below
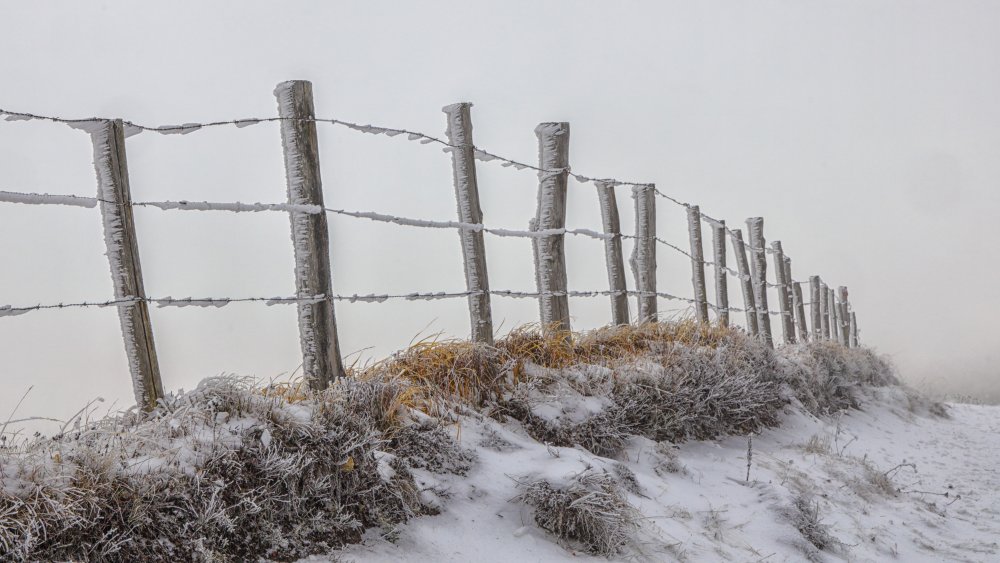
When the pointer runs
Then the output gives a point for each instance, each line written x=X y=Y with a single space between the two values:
x=865 y=133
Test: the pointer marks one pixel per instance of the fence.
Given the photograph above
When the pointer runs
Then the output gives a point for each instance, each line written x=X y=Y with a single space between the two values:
x=831 y=315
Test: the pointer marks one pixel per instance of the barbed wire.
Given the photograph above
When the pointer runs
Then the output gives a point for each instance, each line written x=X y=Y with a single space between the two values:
x=478 y=153
x=218 y=302
x=240 y=207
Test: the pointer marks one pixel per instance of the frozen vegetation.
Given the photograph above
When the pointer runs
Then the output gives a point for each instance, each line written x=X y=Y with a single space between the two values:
x=670 y=441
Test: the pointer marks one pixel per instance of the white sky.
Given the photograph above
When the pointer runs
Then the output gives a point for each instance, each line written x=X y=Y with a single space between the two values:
x=866 y=133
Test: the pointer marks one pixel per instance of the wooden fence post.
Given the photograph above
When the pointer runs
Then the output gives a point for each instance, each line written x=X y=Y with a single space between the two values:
x=791 y=294
x=746 y=281
x=845 y=328
x=697 y=264
x=835 y=332
x=463 y=164
x=721 y=281
x=613 y=253
x=800 y=312
x=758 y=263
x=787 y=326
x=854 y=330
x=321 y=361
x=643 y=260
x=815 y=309
x=824 y=296
x=108 y=138
x=550 y=255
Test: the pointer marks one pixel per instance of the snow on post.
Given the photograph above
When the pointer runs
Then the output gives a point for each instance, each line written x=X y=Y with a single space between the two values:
x=643 y=260
x=321 y=361
x=697 y=264
x=108 y=138
x=792 y=314
x=613 y=253
x=815 y=308
x=787 y=324
x=845 y=334
x=746 y=281
x=835 y=332
x=800 y=312
x=825 y=323
x=463 y=163
x=550 y=253
x=758 y=265
x=721 y=281
x=854 y=330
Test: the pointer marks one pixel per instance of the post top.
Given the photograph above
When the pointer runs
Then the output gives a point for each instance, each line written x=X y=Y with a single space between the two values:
x=456 y=106
x=552 y=128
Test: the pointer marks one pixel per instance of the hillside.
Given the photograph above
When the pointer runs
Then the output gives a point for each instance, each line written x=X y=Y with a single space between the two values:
x=625 y=443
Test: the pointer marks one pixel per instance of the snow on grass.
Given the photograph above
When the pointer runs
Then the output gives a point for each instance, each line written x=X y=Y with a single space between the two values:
x=626 y=443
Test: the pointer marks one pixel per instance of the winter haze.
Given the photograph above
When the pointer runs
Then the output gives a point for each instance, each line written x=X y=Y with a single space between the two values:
x=865 y=133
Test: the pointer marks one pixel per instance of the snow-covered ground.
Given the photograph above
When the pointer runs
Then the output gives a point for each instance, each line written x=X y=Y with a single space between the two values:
x=883 y=484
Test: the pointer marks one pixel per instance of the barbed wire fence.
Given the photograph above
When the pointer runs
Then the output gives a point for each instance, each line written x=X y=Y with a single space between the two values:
x=831 y=315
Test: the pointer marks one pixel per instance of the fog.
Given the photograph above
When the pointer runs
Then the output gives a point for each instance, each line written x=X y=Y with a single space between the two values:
x=865 y=133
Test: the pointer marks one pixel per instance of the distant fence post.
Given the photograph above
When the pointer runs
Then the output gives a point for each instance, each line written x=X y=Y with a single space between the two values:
x=721 y=281
x=755 y=230
x=463 y=164
x=845 y=327
x=787 y=326
x=321 y=361
x=815 y=309
x=613 y=253
x=550 y=254
x=108 y=137
x=854 y=330
x=824 y=296
x=835 y=332
x=643 y=260
x=746 y=282
x=697 y=263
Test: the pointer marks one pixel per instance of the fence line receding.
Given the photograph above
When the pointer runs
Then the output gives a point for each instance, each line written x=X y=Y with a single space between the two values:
x=831 y=315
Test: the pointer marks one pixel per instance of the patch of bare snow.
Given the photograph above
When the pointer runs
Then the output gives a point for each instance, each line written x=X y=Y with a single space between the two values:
x=872 y=485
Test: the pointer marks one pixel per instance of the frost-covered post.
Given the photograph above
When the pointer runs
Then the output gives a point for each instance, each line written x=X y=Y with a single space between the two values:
x=697 y=264
x=787 y=324
x=613 y=253
x=815 y=309
x=550 y=254
x=321 y=361
x=835 y=332
x=800 y=312
x=854 y=330
x=845 y=334
x=721 y=282
x=758 y=267
x=824 y=300
x=463 y=164
x=746 y=281
x=791 y=298
x=108 y=137
x=643 y=258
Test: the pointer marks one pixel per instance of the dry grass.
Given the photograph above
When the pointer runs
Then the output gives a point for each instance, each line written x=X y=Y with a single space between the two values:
x=591 y=511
